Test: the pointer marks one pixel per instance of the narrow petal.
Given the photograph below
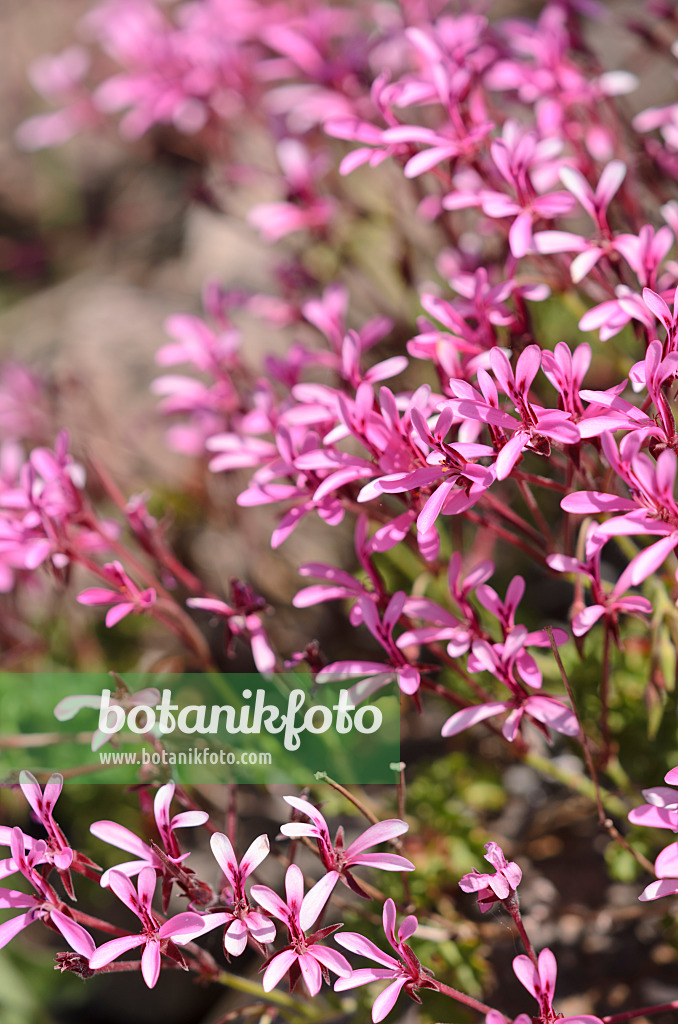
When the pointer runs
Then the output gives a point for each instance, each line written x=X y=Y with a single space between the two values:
x=467 y=717
x=76 y=936
x=385 y=1002
x=332 y=959
x=315 y=900
x=225 y=857
x=277 y=969
x=356 y=943
x=256 y=853
x=383 y=861
x=378 y=833
x=364 y=976
x=112 y=950
x=311 y=973
x=150 y=963
x=8 y=929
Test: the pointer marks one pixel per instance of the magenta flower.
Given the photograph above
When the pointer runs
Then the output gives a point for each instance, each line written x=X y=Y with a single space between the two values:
x=242 y=619
x=652 y=509
x=607 y=604
x=241 y=919
x=405 y=972
x=494 y=888
x=156 y=938
x=43 y=904
x=661 y=811
x=121 y=837
x=540 y=982
x=126 y=599
x=42 y=804
x=376 y=673
x=304 y=956
x=339 y=861
x=502 y=661
x=537 y=426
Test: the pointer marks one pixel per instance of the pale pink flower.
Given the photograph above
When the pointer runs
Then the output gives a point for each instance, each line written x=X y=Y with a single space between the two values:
x=127 y=599
x=540 y=982
x=43 y=904
x=305 y=957
x=69 y=707
x=240 y=920
x=493 y=888
x=339 y=861
x=156 y=938
x=403 y=971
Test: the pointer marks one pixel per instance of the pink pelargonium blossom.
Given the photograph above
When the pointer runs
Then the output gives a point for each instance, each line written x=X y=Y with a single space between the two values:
x=304 y=957
x=339 y=861
x=42 y=804
x=404 y=972
x=242 y=619
x=447 y=626
x=537 y=426
x=607 y=604
x=69 y=707
x=540 y=982
x=501 y=660
x=156 y=939
x=493 y=888
x=651 y=509
x=60 y=79
x=595 y=204
x=612 y=316
x=447 y=476
x=376 y=674
x=661 y=811
x=240 y=920
x=43 y=904
x=126 y=599
x=121 y=837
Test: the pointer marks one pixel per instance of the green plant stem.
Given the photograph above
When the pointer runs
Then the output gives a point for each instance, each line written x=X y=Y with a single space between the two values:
x=253 y=988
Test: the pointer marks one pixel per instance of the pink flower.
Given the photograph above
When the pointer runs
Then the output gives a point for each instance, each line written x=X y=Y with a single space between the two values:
x=60 y=79
x=338 y=861
x=537 y=426
x=494 y=888
x=606 y=604
x=502 y=660
x=405 y=972
x=42 y=804
x=121 y=837
x=156 y=939
x=127 y=599
x=540 y=982
x=661 y=811
x=243 y=619
x=43 y=904
x=652 y=509
x=375 y=673
x=304 y=957
x=241 y=919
